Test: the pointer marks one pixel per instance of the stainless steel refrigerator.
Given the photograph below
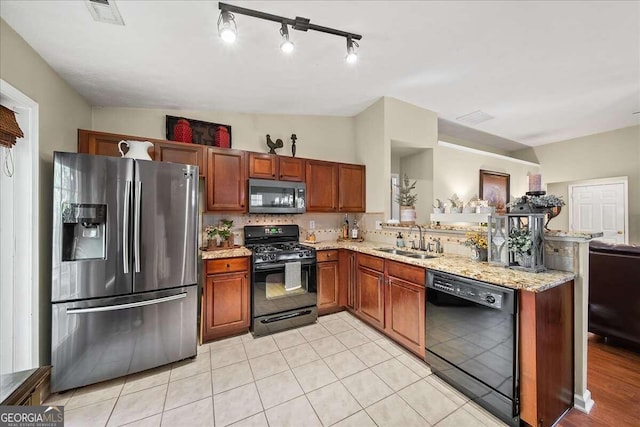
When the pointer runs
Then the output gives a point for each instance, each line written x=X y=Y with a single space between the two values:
x=124 y=267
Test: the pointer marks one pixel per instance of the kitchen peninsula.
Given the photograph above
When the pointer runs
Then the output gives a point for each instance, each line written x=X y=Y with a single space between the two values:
x=387 y=291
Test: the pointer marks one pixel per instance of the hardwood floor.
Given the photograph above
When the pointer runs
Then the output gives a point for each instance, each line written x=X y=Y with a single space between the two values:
x=613 y=377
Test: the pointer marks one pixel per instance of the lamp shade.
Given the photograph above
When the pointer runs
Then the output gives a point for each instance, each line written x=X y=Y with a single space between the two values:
x=9 y=129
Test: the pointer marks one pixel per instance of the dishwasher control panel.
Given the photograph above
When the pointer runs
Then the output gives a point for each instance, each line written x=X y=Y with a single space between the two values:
x=477 y=292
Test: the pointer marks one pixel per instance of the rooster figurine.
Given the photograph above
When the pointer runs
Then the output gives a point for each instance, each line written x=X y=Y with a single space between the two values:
x=273 y=145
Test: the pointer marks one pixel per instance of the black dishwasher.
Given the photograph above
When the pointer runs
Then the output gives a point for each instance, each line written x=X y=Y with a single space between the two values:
x=471 y=340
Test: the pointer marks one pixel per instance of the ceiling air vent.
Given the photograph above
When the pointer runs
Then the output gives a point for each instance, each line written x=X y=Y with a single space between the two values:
x=104 y=11
x=475 y=118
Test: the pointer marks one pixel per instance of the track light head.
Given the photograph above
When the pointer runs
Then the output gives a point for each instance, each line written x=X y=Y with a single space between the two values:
x=227 y=29
x=287 y=45
x=352 y=55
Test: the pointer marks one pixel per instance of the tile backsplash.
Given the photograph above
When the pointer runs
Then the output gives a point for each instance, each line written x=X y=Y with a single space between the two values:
x=328 y=226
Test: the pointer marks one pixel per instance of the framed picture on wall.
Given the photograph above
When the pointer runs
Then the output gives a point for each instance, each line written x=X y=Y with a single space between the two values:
x=495 y=188
x=183 y=129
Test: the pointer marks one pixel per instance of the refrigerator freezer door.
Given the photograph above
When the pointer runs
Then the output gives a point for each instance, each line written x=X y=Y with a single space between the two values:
x=107 y=338
x=165 y=209
x=91 y=238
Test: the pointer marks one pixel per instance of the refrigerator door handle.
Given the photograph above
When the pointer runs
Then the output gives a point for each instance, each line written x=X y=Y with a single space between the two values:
x=125 y=227
x=126 y=306
x=136 y=221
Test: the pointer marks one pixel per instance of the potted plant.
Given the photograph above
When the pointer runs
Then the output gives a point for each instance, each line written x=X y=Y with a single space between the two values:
x=477 y=242
x=547 y=203
x=438 y=206
x=407 y=201
x=219 y=235
x=456 y=204
x=519 y=242
x=470 y=207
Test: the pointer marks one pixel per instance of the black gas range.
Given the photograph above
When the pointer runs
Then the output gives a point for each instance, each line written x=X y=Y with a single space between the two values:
x=283 y=279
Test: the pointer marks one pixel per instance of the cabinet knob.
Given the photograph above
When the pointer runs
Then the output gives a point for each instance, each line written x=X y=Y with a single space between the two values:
x=228 y=265
x=273 y=174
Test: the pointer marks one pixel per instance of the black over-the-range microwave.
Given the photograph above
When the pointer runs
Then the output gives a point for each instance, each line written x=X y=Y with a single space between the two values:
x=277 y=197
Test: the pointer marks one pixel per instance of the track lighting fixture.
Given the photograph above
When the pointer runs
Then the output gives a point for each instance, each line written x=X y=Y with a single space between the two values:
x=352 y=55
x=287 y=45
x=228 y=31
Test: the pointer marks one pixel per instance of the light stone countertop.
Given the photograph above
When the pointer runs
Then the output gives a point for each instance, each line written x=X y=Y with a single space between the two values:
x=448 y=263
x=226 y=253
x=462 y=266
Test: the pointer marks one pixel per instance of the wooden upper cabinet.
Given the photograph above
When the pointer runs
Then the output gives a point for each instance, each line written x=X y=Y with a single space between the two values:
x=226 y=180
x=269 y=166
x=179 y=152
x=263 y=166
x=291 y=169
x=351 y=181
x=105 y=144
x=322 y=186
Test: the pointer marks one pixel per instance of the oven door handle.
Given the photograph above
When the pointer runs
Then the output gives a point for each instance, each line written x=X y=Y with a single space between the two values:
x=280 y=265
x=286 y=316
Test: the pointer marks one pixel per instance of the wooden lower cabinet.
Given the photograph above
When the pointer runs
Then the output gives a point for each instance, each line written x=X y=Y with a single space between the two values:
x=225 y=305
x=546 y=354
x=405 y=306
x=348 y=279
x=328 y=280
x=370 y=296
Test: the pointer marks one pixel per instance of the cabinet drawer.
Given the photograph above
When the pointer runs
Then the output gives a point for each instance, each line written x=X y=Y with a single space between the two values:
x=410 y=273
x=227 y=265
x=330 y=255
x=371 y=262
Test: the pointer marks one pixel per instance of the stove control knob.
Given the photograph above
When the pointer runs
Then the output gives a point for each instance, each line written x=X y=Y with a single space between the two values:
x=490 y=299
x=301 y=254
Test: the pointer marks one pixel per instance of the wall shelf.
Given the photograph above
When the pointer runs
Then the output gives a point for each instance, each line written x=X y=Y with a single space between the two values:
x=460 y=217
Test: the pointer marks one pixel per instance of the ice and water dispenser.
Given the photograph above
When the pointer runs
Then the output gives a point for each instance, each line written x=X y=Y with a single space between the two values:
x=83 y=231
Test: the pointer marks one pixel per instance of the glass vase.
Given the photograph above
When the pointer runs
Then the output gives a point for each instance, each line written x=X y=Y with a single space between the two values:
x=479 y=254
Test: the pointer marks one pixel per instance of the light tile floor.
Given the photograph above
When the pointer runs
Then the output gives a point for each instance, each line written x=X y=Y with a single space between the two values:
x=338 y=371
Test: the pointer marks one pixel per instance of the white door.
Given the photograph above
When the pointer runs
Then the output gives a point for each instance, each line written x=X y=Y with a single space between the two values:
x=599 y=207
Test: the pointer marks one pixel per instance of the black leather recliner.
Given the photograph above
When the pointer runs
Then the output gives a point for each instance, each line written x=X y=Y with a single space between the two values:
x=614 y=291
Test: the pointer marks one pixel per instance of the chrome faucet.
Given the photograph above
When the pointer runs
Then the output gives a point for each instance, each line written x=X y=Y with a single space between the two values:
x=421 y=245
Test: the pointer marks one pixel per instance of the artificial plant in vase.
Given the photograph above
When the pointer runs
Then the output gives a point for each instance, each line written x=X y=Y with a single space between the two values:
x=456 y=204
x=438 y=206
x=519 y=242
x=477 y=242
x=219 y=235
x=407 y=201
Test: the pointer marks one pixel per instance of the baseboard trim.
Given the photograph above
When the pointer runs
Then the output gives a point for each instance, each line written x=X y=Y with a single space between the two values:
x=583 y=403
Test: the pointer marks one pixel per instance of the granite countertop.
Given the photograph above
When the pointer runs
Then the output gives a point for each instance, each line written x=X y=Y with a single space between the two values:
x=463 y=266
x=226 y=253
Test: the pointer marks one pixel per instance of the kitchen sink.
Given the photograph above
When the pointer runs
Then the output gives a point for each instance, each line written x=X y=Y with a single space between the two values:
x=421 y=256
x=408 y=254
x=395 y=251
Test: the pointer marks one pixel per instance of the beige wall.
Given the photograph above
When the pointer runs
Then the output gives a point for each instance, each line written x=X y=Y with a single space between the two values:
x=373 y=150
x=458 y=172
x=604 y=155
x=419 y=168
x=409 y=125
x=61 y=112
x=319 y=137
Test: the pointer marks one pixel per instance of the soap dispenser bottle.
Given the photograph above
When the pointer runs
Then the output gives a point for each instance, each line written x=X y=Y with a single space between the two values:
x=355 y=232
x=399 y=240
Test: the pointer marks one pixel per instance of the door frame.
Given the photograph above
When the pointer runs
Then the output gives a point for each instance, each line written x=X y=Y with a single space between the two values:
x=26 y=323
x=603 y=181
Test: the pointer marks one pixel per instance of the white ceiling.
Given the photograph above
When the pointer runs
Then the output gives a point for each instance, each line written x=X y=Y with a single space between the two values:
x=546 y=71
